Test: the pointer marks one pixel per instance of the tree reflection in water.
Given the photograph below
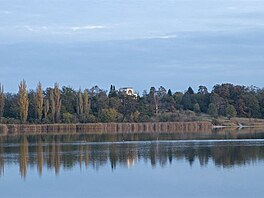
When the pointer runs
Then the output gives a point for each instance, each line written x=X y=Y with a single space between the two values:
x=56 y=152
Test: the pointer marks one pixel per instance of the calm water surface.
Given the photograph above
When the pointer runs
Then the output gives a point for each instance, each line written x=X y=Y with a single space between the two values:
x=218 y=165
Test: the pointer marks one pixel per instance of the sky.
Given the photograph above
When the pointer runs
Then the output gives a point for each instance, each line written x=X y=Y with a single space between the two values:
x=138 y=43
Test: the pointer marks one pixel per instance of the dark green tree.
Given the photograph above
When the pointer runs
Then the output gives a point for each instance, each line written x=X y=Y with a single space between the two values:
x=196 y=108
x=169 y=92
x=212 y=110
x=108 y=115
x=231 y=111
x=2 y=101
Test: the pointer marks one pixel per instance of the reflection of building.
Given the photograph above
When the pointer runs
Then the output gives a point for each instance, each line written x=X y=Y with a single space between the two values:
x=130 y=162
x=128 y=91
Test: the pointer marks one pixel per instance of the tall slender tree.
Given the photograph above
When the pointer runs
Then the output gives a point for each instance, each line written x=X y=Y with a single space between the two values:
x=53 y=105
x=2 y=101
x=46 y=108
x=39 y=101
x=23 y=101
x=57 y=101
x=80 y=103
x=86 y=105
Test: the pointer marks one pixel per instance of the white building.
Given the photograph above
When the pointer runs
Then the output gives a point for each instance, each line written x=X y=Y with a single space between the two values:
x=128 y=91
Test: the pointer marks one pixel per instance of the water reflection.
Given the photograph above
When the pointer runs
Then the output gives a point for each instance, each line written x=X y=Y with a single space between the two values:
x=2 y=161
x=56 y=152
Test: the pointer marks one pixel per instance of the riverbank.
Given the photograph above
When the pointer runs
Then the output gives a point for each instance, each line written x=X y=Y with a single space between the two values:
x=238 y=122
x=99 y=128
x=147 y=127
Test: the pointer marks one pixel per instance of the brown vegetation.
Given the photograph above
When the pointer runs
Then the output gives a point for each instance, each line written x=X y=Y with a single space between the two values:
x=99 y=128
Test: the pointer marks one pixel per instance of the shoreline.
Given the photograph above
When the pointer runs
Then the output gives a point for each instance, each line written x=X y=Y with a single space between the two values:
x=119 y=128
x=237 y=127
x=107 y=128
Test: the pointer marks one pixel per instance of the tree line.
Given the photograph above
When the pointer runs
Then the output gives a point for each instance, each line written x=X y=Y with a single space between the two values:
x=67 y=105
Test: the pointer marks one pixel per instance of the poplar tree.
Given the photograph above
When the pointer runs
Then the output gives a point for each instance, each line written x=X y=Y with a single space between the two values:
x=2 y=101
x=80 y=103
x=39 y=101
x=23 y=101
x=86 y=105
x=46 y=108
x=57 y=101
x=53 y=106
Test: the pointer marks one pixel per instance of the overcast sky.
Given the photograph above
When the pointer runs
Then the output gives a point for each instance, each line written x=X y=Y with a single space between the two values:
x=139 y=43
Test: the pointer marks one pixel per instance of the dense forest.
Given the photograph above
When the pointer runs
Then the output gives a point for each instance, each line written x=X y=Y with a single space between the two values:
x=66 y=105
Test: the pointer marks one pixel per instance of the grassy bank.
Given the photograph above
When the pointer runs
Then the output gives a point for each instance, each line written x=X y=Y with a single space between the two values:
x=238 y=122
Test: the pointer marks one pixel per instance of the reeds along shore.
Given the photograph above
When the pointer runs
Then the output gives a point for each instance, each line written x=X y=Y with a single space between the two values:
x=93 y=128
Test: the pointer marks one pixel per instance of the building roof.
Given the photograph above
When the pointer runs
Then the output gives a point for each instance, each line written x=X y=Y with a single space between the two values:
x=126 y=88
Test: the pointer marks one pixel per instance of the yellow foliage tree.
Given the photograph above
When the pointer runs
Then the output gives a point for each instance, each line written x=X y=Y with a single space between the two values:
x=80 y=103
x=53 y=106
x=86 y=105
x=39 y=101
x=23 y=101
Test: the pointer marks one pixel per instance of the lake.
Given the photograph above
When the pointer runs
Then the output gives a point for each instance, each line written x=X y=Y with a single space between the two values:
x=221 y=164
